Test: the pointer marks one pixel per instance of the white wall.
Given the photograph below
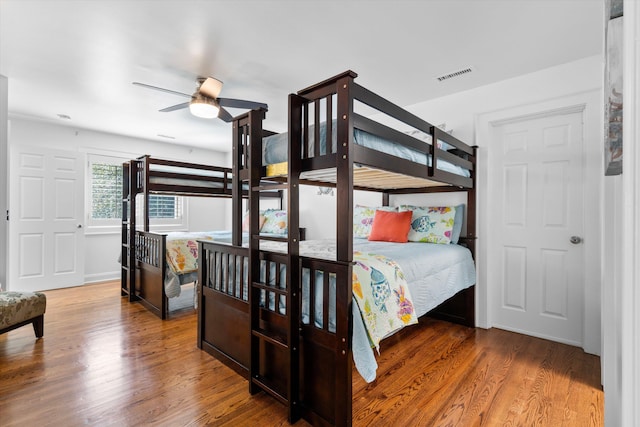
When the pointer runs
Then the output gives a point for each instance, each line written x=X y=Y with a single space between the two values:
x=102 y=246
x=4 y=178
x=318 y=212
x=208 y=213
x=459 y=110
x=611 y=298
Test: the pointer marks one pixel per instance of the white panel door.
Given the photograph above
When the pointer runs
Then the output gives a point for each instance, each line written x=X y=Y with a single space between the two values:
x=536 y=270
x=45 y=219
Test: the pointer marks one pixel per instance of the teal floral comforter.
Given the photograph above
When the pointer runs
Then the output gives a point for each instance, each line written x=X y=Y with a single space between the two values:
x=182 y=250
x=382 y=295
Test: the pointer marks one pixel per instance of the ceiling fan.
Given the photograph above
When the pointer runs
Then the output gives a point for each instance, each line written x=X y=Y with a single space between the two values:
x=205 y=102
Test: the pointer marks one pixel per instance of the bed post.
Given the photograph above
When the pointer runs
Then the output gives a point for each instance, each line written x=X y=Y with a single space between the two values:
x=344 y=249
x=469 y=239
x=385 y=198
x=461 y=307
x=344 y=174
x=293 y=257
x=471 y=207
x=236 y=188
x=133 y=190
x=124 y=232
x=145 y=190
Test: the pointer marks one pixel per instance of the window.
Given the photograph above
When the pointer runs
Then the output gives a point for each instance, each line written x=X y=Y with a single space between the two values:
x=164 y=207
x=106 y=191
x=105 y=197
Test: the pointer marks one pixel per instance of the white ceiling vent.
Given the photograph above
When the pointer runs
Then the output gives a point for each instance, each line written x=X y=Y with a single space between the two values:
x=454 y=74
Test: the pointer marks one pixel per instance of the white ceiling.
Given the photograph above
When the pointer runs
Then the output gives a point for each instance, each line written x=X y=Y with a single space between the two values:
x=79 y=58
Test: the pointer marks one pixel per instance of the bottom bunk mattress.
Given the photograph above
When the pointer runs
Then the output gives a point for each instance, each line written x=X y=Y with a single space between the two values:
x=433 y=273
x=182 y=257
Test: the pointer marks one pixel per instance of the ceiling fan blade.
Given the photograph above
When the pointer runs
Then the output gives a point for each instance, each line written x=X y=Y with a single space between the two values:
x=224 y=115
x=239 y=103
x=211 y=87
x=161 y=89
x=175 y=107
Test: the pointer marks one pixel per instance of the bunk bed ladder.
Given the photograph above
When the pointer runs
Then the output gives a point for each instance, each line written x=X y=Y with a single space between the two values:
x=126 y=247
x=274 y=306
x=128 y=251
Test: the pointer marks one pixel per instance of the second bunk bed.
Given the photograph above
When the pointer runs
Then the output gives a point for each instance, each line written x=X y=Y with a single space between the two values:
x=155 y=265
x=289 y=316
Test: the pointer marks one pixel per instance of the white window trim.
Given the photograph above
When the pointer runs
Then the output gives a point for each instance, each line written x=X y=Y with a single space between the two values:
x=113 y=226
x=99 y=225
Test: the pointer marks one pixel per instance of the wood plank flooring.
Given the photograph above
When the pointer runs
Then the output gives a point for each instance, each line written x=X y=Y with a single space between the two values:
x=106 y=362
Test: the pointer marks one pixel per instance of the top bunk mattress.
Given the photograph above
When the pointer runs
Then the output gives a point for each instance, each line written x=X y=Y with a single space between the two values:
x=167 y=176
x=275 y=148
x=199 y=180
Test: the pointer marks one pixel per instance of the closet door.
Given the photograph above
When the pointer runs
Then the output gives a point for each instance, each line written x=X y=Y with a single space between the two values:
x=45 y=219
x=538 y=263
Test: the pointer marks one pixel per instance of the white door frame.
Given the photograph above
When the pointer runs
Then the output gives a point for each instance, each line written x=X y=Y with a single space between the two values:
x=623 y=408
x=4 y=182
x=591 y=103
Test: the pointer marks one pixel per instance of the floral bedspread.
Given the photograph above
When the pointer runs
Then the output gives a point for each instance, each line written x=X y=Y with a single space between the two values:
x=382 y=295
x=182 y=251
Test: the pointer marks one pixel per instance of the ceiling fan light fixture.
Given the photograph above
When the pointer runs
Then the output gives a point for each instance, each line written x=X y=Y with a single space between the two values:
x=203 y=106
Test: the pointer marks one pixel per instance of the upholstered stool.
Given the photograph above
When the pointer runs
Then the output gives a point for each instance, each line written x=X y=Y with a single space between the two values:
x=21 y=308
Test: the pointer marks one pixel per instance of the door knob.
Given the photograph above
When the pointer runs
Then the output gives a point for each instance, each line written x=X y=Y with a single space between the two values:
x=575 y=239
x=80 y=226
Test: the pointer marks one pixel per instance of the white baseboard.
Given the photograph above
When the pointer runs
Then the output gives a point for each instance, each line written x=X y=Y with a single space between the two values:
x=101 y=277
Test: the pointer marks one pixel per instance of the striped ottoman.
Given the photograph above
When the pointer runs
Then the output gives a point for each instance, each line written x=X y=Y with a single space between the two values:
x=21 y=308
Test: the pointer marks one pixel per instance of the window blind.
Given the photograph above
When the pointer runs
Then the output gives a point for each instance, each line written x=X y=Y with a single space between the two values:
x=106 y=191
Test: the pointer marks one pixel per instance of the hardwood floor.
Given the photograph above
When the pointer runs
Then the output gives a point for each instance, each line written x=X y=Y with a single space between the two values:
x=104 y=361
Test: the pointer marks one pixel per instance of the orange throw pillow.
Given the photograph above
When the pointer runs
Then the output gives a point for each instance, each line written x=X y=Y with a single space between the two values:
x=391 y=226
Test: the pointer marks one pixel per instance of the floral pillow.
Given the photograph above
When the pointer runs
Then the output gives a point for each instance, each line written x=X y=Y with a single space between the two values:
x=363 y=219
x=432 y=224
x=245 y=222
x=275 y=222
x=457 y=220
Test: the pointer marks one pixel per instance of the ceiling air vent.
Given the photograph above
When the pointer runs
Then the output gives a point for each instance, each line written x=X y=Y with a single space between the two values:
x=454 y=74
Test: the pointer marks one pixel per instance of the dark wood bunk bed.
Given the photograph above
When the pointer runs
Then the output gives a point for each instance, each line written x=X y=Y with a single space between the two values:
x=143 y=261
x=254 y=320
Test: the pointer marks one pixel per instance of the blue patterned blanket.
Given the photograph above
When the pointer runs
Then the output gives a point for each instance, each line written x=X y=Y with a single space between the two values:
x=382 y=295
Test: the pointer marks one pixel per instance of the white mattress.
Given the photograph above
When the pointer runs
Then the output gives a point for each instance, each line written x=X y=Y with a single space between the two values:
x=275 y=148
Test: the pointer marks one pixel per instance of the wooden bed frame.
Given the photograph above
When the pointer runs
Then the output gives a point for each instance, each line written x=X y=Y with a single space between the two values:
x=306 y=367
x=143 y=263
